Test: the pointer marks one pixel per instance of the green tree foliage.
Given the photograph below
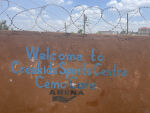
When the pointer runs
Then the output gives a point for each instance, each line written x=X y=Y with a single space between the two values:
x=80 y=31
x=99 y=32
x=3 y=25
x=123 y=32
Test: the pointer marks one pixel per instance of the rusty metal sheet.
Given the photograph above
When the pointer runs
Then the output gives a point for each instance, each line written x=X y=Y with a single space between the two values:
x=112 y=94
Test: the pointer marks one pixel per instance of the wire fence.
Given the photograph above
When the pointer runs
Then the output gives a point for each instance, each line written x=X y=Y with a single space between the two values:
x=81 y=18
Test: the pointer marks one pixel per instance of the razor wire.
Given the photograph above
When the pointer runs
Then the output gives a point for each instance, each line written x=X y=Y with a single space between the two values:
x=97 y=19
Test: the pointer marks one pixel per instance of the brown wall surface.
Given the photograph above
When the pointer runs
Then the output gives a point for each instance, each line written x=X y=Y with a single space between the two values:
x=130 y=94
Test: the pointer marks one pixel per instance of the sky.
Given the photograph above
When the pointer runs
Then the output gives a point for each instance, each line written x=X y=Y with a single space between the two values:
x=61 y=15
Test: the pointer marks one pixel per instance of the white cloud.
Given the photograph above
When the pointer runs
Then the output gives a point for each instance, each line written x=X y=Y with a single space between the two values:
x=54 y=1
x=58 y=2
x=14 y=9
x=69 y=2
x=128 y=4
x=93 y=15
x=45 y=16
x=81 y=7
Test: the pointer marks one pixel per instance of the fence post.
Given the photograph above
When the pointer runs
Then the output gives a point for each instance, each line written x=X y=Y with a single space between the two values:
x=127 y=23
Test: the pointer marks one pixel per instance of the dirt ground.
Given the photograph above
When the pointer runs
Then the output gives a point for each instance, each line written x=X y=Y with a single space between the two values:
x=130 y=94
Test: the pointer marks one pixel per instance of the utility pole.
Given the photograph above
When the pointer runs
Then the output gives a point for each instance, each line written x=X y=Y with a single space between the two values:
x=65 y=28
x=84 y=22
x=127 y=23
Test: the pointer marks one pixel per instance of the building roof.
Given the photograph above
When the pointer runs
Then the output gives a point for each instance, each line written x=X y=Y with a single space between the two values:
x=144 y=28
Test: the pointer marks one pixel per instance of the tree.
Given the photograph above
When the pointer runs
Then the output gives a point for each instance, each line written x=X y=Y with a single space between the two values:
x=99 y=32
x=3 y=25
x=123 y=32
x=80 y=31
